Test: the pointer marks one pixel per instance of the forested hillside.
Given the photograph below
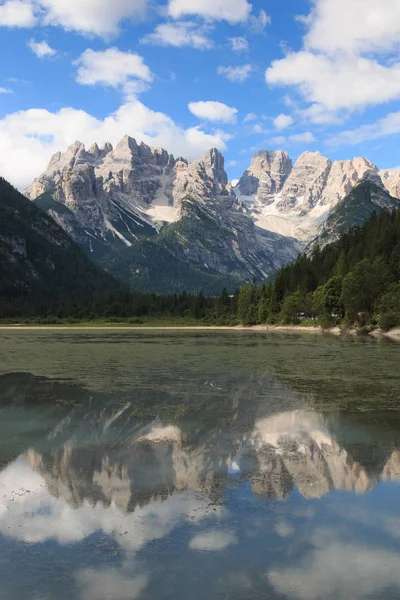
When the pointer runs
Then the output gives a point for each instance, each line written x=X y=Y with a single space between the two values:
x=42 y=271
x=356 y=280
x=45 y=276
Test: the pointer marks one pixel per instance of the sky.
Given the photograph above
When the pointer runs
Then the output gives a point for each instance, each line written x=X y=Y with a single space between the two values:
x=188 y=75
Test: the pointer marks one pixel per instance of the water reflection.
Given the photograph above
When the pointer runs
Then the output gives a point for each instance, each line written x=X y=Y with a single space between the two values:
x=101 y=503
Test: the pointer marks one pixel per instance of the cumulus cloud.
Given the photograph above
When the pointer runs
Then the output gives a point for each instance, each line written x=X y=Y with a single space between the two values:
x=302 y=138
x=30 y=137
x=111 y=67
x=214 y=111
x=41 y=49
x=279 y=140
x=250 y=117
x=339 y=570
x=91 y=17
x=336 y=83
x=218 y=10
x=236 y=74
x=110 y=583
x=37 y=516
x=284 y=529
x=239 y=44
x=100 y=17
x=389 y=125
x=179 y=34
x=257 y=128
x=297 y=138
x=345 y=65
x=212 y=541
x=283 y=121
x=368 y=26
x=17 y=13
x=260 y=22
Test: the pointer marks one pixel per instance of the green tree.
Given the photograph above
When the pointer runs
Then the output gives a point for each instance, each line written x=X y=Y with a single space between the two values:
x=362 y=287
x=291 y=307
x=332 y=297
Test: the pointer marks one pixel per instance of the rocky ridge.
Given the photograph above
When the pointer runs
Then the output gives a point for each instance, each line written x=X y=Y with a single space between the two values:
x=291 y=450
x=130 y=205
x=308 y=193
x=120 y=198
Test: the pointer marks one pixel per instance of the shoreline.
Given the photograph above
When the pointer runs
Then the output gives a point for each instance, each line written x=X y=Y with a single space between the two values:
x=393 y=334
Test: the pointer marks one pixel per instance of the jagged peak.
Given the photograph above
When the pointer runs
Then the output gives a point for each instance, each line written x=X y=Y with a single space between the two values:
x=213 y=156
x=213 y=162
x=127 y=142
x=270 y=154
x=308 y=154
x=76 y=146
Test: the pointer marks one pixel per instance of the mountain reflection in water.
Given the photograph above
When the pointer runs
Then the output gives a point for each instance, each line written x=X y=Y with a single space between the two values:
x=119 y=496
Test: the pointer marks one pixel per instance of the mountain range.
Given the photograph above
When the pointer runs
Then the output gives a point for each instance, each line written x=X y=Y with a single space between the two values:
x=165 y=225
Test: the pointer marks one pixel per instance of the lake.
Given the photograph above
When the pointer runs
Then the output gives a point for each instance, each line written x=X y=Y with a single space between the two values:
x=171 y=465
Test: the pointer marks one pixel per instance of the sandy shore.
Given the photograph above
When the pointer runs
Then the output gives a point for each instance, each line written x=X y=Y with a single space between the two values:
x=394 y=334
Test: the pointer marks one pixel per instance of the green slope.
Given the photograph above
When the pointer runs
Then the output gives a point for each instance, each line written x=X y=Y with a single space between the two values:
x=365 y=199
x=40 y=266
x=168 y=263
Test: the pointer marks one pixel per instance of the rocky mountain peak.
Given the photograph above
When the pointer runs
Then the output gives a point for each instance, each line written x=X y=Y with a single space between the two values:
x=214 y=165
x=119 y=196
x=306 y=182
x=266 y=175
x=127 y=143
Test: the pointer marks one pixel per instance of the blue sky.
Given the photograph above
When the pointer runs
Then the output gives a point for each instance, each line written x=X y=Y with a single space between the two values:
x=241 y=75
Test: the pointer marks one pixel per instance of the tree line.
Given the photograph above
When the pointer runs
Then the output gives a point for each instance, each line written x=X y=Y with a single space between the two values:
x=354 y=281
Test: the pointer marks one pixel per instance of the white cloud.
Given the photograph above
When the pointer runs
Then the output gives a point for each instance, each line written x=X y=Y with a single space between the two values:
x=99 y=17
x=340 y=570
x=38 y=516
x=179 y=34
x=284 y=529
x=212 y=541
x=239 y=44
x=110 y=583
x=218 y=10
x=4 y=90
x=337 y=82
x=298 y=138
x=30 y=137
x=368 y=25
x=17 y=13
x=346 y=64
x=258 y=129
x=112 y=68
x=214 y=111
x=277 y=141
x=250 y=117
x=283 y=121
x=258 y=24
x=232 y=163
x=236 y=74
x=41 y=49
x=389 y=125
x=318 y=114
x=302 y=138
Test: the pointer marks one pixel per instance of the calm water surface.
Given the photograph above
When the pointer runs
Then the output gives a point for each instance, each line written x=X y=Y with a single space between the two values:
x=198 y=465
